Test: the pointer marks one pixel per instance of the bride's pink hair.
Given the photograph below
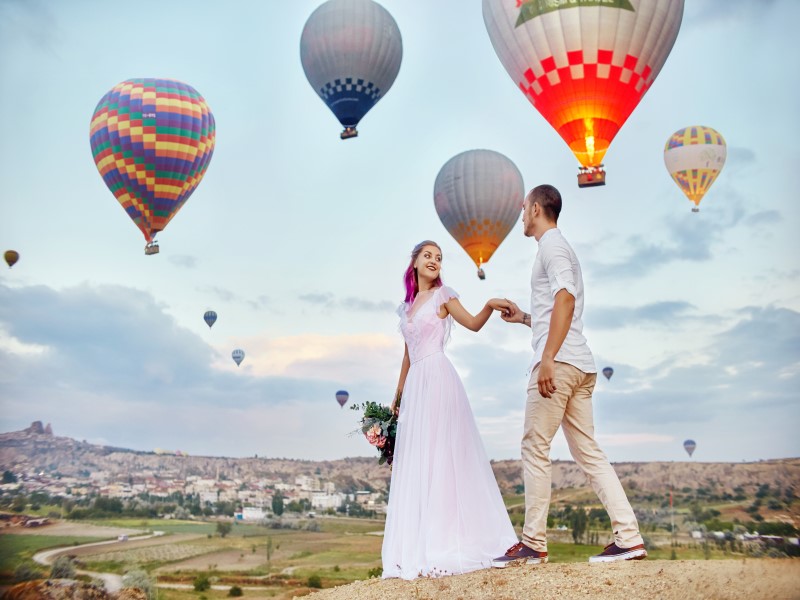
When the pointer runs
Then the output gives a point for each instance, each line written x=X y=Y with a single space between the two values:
x=410 y=278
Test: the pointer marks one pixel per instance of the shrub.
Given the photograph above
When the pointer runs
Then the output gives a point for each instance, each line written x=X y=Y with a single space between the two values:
x=314 y=581
x=26 y=573
x=63 y=568
x=235 y=591
x=376 y=572
x=201 y=583
x=140 y=580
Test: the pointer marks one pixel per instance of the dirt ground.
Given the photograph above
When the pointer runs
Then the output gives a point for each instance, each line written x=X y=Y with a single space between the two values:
x=751 y=579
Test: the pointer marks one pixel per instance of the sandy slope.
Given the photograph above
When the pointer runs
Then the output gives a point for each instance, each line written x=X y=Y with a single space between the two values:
x=752 y=579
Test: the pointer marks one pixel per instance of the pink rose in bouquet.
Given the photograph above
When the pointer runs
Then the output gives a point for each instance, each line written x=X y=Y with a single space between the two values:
x=373 y=435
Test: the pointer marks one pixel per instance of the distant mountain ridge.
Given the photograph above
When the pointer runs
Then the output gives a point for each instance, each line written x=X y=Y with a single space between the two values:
x=37 y=450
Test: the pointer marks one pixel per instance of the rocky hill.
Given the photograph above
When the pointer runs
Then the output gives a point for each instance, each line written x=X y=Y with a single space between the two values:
x=36 y=449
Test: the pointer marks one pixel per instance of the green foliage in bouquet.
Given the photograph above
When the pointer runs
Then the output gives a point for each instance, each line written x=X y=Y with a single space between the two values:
x=379 y=426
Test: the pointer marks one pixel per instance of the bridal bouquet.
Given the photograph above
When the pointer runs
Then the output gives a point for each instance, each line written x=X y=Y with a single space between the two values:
x=379 y=426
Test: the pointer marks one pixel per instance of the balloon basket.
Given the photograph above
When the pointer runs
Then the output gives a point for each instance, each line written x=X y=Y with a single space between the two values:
x=151 y=248
x=695 y=209
x=481 y=274
x=349 y=132
x=591 y=176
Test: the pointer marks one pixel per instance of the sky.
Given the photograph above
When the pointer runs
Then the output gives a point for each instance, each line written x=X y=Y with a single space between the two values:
x=299 y=240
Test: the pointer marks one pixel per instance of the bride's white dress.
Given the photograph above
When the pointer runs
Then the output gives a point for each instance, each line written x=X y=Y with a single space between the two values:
x=445 y=513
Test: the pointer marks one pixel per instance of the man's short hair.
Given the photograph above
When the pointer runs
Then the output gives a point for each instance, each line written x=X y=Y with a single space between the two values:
x=549 y=199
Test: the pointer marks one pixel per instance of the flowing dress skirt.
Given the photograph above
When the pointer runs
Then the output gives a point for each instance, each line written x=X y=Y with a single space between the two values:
x=445 y=513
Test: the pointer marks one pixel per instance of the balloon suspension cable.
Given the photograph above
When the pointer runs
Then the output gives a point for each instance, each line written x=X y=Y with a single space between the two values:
x=591 y=176
x=151 y=248
x=349 y=132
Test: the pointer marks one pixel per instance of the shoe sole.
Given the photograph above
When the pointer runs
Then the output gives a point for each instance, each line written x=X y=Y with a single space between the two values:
x=635 y=555
x=519 y=562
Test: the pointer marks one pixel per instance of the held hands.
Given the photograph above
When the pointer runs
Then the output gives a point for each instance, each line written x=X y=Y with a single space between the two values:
x=510 y=312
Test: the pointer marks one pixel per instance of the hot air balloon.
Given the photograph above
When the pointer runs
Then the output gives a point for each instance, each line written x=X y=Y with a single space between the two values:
x=152 y=140
x=689 y=446
x=478 y=195
x=694 y=157
x=342 y=396
x=11 y=256
x=210 y=318
x=351 y=52
x=238 y=356
x=584 y=65
x=608 y=372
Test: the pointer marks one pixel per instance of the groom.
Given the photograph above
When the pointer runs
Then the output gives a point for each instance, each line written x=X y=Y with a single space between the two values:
x=560 y=391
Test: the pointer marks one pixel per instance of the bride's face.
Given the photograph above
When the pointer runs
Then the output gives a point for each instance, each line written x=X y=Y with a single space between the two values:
x=428 y=263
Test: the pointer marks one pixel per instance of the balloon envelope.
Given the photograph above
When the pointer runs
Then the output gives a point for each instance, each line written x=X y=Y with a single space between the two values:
x=478 y=196
x=584 y=65
x=608 y=372
x=689 y=446
x=351 y=52
x=238 y=356
x=210 y=318
x=152 y=140
x=342 y=396
x=694 y=156
x=11 y=256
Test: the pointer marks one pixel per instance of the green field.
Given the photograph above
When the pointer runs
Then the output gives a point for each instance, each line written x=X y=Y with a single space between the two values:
x=16 y=549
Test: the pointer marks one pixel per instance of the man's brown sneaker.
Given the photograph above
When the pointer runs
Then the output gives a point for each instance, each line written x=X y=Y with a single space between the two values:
x=519 y=554
x=612 y=553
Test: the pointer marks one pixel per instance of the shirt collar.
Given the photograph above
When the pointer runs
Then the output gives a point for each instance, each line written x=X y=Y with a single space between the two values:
x=548 y=233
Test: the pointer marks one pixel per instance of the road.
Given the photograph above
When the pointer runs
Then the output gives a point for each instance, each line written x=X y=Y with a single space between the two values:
x=113 y=582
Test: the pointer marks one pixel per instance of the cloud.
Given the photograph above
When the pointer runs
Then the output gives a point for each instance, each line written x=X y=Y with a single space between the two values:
x=739 y=158
x=705 y=12
x=328 y=300
x=30 y=20
x=683 y=238
x=110 y=362
x=229 y=296
x=183 y=260
x=666 y=313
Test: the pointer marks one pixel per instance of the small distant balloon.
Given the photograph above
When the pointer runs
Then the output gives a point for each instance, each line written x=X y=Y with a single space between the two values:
x=608 y=372
x=689 y=446
x=342 y=396
x=238 y=356
x=11 y=256
x=694 y=157
x=210 y=318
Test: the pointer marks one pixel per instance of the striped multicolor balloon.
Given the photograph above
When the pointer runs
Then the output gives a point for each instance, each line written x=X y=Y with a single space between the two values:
x=152 y=140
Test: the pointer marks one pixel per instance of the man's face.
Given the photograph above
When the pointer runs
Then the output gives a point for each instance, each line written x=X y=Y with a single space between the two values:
x=528 y=217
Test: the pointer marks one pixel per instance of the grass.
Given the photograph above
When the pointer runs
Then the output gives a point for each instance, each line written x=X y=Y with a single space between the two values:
x=18 y=549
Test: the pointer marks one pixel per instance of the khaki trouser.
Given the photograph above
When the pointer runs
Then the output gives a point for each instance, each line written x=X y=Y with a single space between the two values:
x=571 y=408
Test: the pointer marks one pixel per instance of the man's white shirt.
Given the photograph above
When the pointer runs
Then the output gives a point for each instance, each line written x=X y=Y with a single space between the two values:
x=557 y=268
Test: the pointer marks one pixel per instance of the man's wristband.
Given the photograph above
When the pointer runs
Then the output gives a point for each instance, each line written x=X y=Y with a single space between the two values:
x=526 y=319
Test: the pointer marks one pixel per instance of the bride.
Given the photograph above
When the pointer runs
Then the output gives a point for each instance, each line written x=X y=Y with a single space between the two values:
x=445 y=513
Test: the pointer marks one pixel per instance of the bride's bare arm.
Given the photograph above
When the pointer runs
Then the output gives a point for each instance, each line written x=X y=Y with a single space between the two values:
x=402 y=381
x=472 y=322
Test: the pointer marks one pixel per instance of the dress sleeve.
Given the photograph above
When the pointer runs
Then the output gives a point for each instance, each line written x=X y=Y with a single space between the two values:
x=446 y=293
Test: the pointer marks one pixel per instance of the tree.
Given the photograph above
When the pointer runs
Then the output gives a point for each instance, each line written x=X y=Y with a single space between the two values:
x=314 y=581
x=578 y=521
x=277 y=504
x=140 y=580
x=223 y=528
x=63 y=568
x=9 y=477
x=19 y=504
x=202 y=583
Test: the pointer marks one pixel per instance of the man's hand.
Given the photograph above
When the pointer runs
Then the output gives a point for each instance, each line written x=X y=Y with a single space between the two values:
x=546 y=379
x=512 y=314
